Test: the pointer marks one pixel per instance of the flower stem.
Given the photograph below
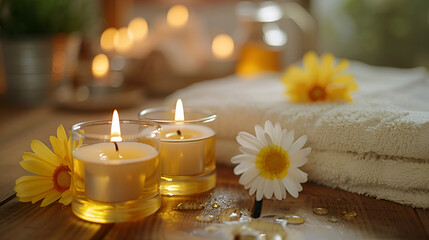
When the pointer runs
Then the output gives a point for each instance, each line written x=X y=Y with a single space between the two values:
x=257 y=208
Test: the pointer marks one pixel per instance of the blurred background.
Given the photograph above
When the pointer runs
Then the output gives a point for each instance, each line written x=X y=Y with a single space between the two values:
x=92 y=55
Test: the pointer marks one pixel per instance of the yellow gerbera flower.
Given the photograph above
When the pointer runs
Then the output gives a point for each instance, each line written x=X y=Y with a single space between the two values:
x=52 y=169
x=322 y=81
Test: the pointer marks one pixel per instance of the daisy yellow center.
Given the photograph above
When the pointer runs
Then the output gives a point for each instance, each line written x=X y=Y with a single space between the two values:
x=61 y=178
x=272 y=162
x=317 y=93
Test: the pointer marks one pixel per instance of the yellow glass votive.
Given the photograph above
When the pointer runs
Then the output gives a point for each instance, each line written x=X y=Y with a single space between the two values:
x=115 y=180
x=187 y=150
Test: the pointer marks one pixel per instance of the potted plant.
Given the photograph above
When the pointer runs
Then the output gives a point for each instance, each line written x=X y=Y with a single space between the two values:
x=40 y=39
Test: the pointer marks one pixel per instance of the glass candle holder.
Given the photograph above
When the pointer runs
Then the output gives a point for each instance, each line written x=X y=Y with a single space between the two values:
x=115 y=181
x=187 y=151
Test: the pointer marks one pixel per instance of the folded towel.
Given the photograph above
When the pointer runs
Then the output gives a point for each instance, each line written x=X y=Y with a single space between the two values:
x=390 y=114
x=400 y=180
x=377 y=145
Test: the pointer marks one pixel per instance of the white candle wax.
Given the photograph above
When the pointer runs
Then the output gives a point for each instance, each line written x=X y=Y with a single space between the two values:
x=117 y=176
x=183 y=154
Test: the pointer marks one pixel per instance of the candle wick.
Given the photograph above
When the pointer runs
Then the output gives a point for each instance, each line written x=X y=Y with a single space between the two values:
x=179 y=133
x=116 y=146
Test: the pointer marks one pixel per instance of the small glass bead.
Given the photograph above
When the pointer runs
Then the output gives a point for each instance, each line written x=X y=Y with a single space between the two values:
x=320 y=211
x=293 y=219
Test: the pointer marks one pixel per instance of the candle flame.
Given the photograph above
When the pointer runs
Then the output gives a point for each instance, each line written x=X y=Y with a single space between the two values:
x=179 y=115
x=115 y=132
x=177 y=16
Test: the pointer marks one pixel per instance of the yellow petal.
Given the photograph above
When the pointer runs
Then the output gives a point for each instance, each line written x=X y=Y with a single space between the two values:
x=66 y=197
x=30 y=178
x=337 y=94
x=311 y=64
x=343 y=64
x=40 y=196
x=38 y=167
x=44 y=152
x=326 y=69
x=33 y=156
x=51 y=197
x=299 y=94
x=348 y=79
x=31 y=188
x=58 y=147
x=293 y=74
x=25 y=199
x=61 y=133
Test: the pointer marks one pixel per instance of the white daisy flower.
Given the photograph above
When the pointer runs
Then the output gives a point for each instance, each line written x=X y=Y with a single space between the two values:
x=270 y=161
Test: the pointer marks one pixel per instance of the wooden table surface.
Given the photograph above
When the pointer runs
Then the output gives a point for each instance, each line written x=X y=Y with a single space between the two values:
x=375 y=219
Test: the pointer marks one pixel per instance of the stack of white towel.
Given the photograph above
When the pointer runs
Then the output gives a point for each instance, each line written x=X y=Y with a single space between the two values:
x=377 y=145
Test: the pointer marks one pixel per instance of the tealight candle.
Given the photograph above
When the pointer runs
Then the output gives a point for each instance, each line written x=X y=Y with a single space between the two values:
x=115 y=175
x=183 y=149
x=187 y=151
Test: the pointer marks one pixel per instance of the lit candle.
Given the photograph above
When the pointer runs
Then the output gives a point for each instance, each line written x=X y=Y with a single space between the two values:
x=184 y=147
x=187 y=149
x=117 y=171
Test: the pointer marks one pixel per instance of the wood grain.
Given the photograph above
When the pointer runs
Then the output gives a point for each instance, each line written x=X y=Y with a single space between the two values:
x=29 y=221
x=424 y=218
x=171 y=223
x=19 y=129
x=376 y=219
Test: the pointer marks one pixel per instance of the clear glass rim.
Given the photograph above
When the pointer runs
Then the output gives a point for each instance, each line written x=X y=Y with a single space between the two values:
x=210 y=116
x=80 y=126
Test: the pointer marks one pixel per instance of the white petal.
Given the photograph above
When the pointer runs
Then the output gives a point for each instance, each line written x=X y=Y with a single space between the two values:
x=298 y=144
x=283 y=190
x=260 y=190
x=299 y=175
x=278 y=134
x=289 y=140
x=297 y=161
x=242 y=167
x=284 y=131
x=277 y=190
x=259 y=131
x=268 y=138
x=298 y=186
x=268 y=189
x=269 y=127
x=249 y=150
x=290 y=187
x=248 y=140
x=248 y=176
x=242 y=158
x=254 y=185
x=305 y=151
